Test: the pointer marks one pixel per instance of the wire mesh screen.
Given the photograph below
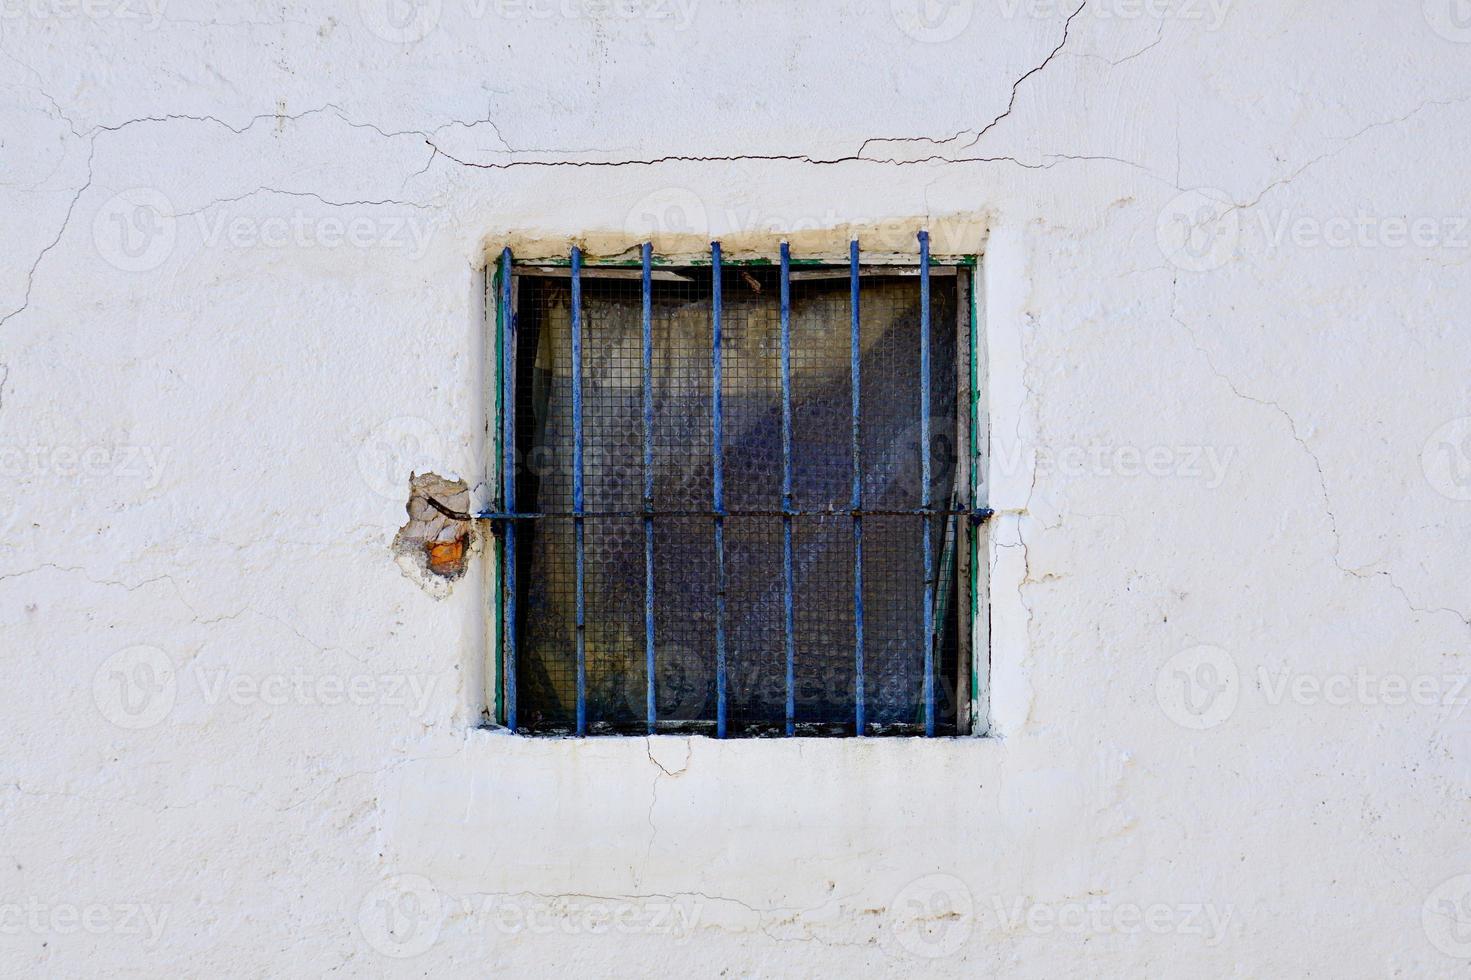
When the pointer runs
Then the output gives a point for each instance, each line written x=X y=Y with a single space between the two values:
x=681 y=516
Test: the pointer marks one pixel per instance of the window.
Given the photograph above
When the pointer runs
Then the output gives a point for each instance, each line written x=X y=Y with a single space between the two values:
x=703 y=527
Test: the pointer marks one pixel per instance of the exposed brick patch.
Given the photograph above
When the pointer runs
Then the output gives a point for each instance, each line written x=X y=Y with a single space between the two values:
x=434 y=547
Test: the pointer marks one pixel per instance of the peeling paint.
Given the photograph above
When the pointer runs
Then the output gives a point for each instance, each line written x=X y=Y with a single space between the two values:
x=953 y=235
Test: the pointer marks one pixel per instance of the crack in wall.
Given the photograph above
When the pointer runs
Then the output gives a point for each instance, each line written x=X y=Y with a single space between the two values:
x=1346 y=142
x=196 y=618
x=664 y=772
x=310 y=194
x=1335 y=553
x=65 y=221
x=1010 y=105
x=739 y=157
x=860 y=156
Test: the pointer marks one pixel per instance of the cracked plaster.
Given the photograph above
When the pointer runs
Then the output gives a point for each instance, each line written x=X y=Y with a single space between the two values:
x=298 y=385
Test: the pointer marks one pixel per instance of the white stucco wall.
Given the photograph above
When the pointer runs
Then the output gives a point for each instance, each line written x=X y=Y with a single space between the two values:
x=240 y=303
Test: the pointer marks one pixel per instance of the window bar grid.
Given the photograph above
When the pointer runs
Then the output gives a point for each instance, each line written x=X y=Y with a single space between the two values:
x=924 y=481
x=789 y=619
x=859 y=706
x=717 y=482
x=648 y=495
x=508 y=482
x=577 y=487
x=927 y=511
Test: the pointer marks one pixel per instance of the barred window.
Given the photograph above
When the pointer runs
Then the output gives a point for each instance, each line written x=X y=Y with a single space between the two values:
x=735 y=497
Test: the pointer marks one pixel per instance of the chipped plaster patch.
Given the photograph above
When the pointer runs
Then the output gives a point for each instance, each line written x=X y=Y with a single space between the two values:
x=434 y=547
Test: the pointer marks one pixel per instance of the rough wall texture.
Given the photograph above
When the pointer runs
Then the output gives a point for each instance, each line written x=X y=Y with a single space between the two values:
x=1226 y=249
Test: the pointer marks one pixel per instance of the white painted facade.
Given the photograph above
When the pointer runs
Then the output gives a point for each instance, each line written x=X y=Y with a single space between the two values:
x=1226 y=294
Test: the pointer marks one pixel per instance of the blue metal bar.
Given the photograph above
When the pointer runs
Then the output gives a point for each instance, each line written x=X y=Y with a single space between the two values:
x=508 y=482
x=577 y=500
x=924 y=481
x=718 y=490
x=857 y=501
x=976 y=515
x=786 y=486
x=648 y=378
